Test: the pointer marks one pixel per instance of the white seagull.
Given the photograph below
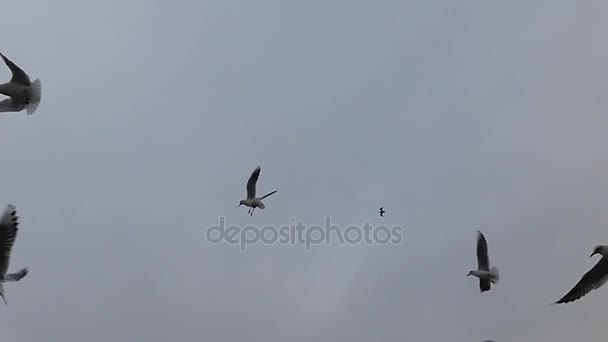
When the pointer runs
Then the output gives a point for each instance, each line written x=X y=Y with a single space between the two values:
x=22 y=93
x=8 y=233
x=592 y=280
x=251 y=201
x=485 y=274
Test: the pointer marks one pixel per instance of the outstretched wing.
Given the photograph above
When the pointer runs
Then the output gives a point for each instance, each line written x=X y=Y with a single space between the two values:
x=253 y=179
x=19 y=76
x=7 y=105
x=592 y=280
x=8 y=233
x=484 y=285
x=17 y=275
x=483 y=260
x=268 y=194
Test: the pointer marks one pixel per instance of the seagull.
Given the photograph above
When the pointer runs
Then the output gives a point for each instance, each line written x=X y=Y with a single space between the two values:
x=251 y=201
x=22 y=93
x=382 y=211
x=485 y=274
x=8 y=233
x=592 y=280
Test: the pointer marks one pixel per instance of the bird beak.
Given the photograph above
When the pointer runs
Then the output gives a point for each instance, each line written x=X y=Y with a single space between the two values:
x=592 y=254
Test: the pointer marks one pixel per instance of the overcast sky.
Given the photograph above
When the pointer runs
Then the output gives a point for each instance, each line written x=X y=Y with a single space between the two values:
x=453 y=115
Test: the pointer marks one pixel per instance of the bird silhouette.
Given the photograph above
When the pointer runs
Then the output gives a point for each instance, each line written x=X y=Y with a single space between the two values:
x=251 y=201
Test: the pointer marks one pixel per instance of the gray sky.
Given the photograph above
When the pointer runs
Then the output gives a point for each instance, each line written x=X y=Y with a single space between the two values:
x=454 y=115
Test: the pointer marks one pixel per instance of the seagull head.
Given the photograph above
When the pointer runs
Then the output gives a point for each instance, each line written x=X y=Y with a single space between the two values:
x=241 y=202
x=471 y=273
x=600 y=249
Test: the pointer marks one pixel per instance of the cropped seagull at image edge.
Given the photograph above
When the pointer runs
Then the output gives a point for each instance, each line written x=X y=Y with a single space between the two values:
x=486 y=275
x=592 y=280
x=251 y=201
x=22 y=93
x=8 y=233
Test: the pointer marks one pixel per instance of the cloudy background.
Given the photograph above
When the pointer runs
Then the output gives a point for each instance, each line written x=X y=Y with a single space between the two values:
x=454 y=115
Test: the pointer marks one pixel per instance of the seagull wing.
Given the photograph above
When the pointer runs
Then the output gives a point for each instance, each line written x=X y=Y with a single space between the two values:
x=484 y=285
x=19 y=76
x=592 y=280
x=268 y=194
x=483 y=260
x=7 y=105
x=8 y=232
x=253 y=179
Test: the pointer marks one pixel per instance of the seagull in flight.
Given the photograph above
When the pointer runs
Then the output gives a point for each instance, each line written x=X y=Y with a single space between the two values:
x=251 y=201
x=8 y=233
x=382 y=211
x=22 y=93
x=485 y=274
x=592 y=280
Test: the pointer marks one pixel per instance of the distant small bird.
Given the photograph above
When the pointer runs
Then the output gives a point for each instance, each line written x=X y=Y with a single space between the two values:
x=592 y=280
x=8 y=232
x=382 y=211
x=485 y=274
x=22 y=93
x=251 y=201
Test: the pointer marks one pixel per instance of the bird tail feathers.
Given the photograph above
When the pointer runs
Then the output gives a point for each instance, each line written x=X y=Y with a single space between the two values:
x=35 y=96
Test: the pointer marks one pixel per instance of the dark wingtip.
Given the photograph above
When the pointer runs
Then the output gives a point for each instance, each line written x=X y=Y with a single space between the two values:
x=6 y=60
x=561 y=301
x=566 y=300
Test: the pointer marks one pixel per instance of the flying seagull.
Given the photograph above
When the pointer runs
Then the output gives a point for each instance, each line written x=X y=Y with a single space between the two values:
x=22 y=93
x=382 y=211
x=8 y=233
x=592 y=280
x=485 y=274
x=251 y=201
